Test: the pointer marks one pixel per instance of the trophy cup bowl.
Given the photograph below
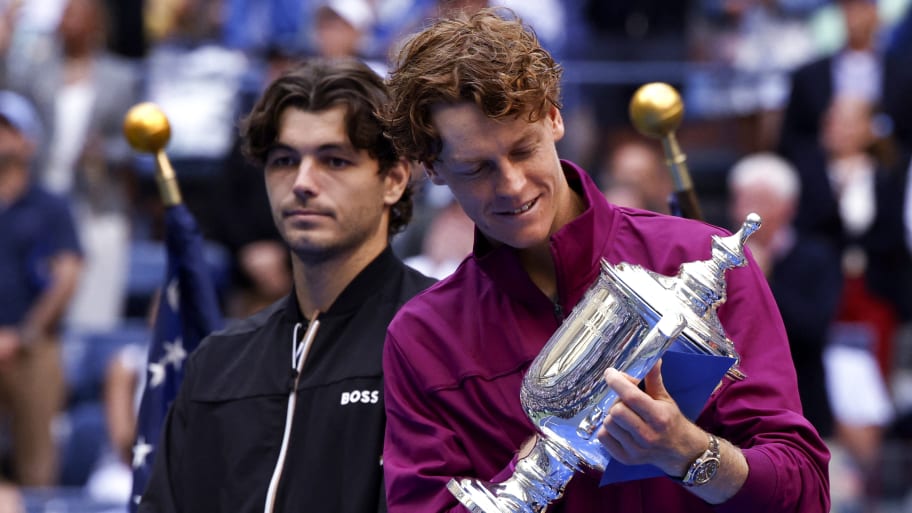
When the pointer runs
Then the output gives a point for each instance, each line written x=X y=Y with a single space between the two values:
x=626 y=320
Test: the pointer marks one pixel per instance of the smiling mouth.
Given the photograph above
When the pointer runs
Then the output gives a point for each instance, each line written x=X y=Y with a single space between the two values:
x=524 y=208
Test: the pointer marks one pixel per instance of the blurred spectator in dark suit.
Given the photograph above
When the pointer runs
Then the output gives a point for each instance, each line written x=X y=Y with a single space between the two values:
x=863 y=69
x=843 y=391
x=853 y=188
x=853 y=185
x=803 y=271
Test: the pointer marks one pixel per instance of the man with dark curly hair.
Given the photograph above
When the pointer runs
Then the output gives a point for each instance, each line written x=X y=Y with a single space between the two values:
x=477 y=101
x=275 y=414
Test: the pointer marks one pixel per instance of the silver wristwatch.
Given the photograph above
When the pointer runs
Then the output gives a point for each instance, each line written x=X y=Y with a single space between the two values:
x=704 y=468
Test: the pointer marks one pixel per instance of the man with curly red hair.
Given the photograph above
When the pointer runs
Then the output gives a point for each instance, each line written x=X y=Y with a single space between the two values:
x=477 y=101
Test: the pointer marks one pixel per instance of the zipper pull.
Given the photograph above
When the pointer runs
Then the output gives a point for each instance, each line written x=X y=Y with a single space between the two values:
x=292 y=379
x=558 y=312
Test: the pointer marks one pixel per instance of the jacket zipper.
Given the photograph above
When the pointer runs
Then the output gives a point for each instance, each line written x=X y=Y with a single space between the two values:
x=558 y=312
x=298 y=356
x=556 y=301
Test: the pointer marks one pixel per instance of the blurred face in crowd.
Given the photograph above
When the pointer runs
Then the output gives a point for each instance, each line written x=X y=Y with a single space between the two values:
x=636 y=165
x=193 y=18
x=81 y=25
x=767 y=201
x=328 y=197
x=847 y=127
x=504 y=172
x=335 y=37
x=625 y=195
x=861 y=23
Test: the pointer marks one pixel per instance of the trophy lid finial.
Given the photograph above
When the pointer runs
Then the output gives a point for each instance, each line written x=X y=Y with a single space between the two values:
x=750 y=225
x=729 y=251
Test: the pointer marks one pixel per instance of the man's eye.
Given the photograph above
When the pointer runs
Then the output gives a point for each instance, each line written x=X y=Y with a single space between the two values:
x=522 y=154
x=282 y=161
x=477 y=170
x=337 y=163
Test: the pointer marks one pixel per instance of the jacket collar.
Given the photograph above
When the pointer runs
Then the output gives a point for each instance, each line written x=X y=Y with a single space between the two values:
x=366 y=284
x=576 y=248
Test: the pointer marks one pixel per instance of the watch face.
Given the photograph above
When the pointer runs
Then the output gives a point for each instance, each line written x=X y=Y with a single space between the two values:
x=706 y=470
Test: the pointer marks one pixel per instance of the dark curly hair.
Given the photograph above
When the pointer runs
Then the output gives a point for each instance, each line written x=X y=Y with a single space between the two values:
x=319 y=84
x=490 y=58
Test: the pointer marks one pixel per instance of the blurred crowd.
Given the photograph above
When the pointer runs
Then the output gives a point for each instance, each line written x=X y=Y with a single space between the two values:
x=798 y=110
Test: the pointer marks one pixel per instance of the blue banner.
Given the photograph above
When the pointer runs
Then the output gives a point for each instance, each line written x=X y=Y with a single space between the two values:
x=187 y=311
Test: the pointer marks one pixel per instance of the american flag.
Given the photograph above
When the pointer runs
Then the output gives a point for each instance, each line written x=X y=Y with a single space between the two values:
x=187 y=311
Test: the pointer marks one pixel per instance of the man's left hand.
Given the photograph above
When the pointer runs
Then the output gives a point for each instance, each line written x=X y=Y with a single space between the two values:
x=648 y=427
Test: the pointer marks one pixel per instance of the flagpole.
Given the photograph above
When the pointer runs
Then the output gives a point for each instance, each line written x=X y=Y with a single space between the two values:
x=147 y=130
x=656 y=111
x=187 y=309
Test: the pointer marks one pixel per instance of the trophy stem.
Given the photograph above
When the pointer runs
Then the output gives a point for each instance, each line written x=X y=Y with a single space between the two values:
x=539 y=479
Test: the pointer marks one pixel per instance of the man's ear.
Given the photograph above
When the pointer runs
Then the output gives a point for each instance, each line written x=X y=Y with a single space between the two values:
x=396 y=180
x=432 y=175
x=556 y=121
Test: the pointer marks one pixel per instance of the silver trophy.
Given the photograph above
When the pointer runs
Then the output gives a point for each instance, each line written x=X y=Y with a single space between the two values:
x=626 y=320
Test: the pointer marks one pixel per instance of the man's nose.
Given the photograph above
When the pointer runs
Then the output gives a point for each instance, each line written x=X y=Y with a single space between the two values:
x=306 y=177
x=510 y=178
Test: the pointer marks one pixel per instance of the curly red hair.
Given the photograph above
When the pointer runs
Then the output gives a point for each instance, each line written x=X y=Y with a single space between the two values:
x=489 y=58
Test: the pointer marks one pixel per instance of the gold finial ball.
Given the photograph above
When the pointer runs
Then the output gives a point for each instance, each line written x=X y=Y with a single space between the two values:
x=656 y=109
x=146 y=128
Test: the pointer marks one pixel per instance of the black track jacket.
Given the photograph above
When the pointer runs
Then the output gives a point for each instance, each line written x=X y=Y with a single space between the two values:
x=223 y=433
